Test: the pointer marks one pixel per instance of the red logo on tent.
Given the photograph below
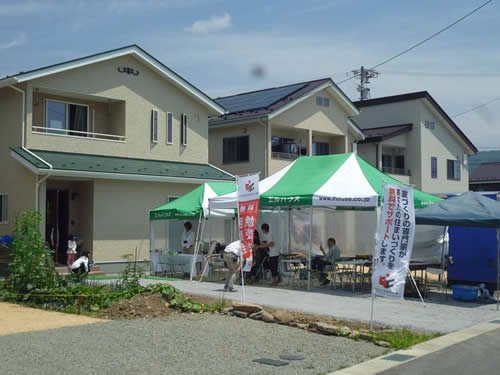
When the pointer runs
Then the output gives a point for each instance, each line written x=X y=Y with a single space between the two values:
x=250 y=186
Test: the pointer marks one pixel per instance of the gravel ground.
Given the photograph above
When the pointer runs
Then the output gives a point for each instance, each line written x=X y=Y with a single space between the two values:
x=188 y=344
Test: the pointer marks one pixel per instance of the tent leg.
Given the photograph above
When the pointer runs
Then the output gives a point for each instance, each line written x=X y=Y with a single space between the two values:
x=193 y=262
x=498 y=268
x=151 y=237
x=373 y=305
x=309 y=270
x=416 y=287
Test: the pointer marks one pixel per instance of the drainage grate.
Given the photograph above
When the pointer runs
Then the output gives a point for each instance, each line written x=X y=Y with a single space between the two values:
x=271 y=362
x=292 y=357
x=495 y=321
x=399 y=357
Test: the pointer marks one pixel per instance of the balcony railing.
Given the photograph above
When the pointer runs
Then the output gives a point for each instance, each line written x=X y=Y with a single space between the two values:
x=392 y=170
x=77 y=133
x=284 y=156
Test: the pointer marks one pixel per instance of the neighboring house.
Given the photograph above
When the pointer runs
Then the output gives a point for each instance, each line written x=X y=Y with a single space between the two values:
x=265 y=130
x=412 y=138
x=96 y=142
x=484 y=171
x=485 y=177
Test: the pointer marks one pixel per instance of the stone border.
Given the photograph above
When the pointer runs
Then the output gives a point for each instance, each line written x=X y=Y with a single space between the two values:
x=256 y=312
x=384 y=363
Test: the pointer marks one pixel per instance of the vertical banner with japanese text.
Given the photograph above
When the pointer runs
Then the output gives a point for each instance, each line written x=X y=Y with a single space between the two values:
x=248 y=211
x=395 y=242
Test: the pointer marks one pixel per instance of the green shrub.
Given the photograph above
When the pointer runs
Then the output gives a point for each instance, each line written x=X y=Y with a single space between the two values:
x=32 y=267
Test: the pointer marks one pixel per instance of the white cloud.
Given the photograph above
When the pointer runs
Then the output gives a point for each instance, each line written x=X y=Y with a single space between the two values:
x=19 y=39
x=214 y=23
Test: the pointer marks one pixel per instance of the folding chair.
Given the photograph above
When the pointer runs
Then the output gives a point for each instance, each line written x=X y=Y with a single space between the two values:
x=440 y=283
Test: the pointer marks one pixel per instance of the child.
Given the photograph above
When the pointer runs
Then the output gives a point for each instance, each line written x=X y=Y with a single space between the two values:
x=71 y=252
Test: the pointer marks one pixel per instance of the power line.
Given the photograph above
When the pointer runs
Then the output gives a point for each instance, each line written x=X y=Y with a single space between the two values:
x=442 y=74
x=476 y=107
x=423 y=41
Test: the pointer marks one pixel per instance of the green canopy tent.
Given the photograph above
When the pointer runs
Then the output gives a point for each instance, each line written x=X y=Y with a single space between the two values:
x=340 y=181
x=193 y=206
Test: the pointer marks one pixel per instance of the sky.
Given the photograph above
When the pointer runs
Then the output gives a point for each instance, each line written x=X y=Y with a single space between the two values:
x=227 y=47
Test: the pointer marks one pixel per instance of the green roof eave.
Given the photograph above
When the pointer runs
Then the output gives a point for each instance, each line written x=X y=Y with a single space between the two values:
x=101 y=166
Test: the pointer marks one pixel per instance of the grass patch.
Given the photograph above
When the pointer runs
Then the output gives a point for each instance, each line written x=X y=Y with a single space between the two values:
x=404 y=338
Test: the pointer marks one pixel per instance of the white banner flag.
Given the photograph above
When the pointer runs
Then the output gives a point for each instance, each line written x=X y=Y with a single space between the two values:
x=395 y=242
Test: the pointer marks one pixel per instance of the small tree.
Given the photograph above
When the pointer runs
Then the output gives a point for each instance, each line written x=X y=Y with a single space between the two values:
x=32 y=267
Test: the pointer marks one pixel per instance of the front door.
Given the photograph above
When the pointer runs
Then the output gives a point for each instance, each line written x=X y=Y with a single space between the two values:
x=56 y=223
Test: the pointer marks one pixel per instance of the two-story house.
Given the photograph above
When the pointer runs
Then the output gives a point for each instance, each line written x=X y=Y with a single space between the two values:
x=264 y=130
x=413 y=139
x=96 y=142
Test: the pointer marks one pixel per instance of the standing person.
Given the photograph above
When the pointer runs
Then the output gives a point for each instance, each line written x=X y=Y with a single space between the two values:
x=233 y=258
x=81 y=266
x=274 y=253
x=259 y=254
x=71 y=252
x=188 y=238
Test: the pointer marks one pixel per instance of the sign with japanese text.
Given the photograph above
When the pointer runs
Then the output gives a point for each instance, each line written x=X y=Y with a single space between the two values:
x=248 y=211
x=395 y=242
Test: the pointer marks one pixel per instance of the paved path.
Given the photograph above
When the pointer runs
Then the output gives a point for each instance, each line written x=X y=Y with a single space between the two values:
x=445 y=316
x=16 y=318
x=478 y=355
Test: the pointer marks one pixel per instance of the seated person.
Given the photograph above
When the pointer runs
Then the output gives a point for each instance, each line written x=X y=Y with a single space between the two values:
x=329 y=258
x=188 y=238
x=80 y=266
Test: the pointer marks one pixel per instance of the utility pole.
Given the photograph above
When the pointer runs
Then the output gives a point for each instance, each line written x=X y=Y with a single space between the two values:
x=364 y=80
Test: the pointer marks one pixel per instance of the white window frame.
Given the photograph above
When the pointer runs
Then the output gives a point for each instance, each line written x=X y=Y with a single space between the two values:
x=5 y=220
x=184 y=129
x=154 y=125
x=170 y=128
x=66 y=120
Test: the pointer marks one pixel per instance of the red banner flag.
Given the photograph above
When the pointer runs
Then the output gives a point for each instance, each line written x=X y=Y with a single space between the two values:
x=248 y=211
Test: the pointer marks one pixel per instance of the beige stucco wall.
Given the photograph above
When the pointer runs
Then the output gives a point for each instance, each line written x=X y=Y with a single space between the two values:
x=15 y=180
x=257 y=134
x=142 y=93
x=368 y=152
x=441 y=143
x=408 y=112
x=308 y=115
x=121 y=215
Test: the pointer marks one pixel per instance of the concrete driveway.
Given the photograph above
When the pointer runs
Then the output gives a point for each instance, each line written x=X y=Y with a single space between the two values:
x=438 y=316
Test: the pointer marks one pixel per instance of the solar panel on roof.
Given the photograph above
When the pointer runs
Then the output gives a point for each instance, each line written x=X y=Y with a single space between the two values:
x=259 y=99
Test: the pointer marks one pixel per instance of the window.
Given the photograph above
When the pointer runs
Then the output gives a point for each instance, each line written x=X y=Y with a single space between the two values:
x=399 y=163
x=184 y=126
x=61 y=116
x=169 y=128
x=321 y=148
x=3 y=208
x=154 y=126
x=322 y=101
x=453 y=169
x=434 y=167
x=386 y=161
x=284 y=145
x=236 y=149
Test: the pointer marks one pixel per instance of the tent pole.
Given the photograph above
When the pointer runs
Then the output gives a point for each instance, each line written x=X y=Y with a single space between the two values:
x=498 y=268
x=309 y=270
x=196 y=246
